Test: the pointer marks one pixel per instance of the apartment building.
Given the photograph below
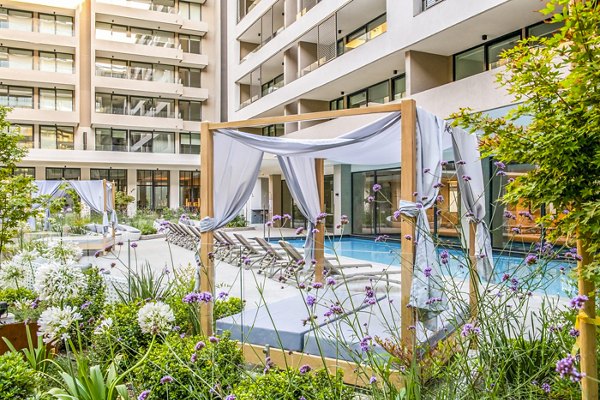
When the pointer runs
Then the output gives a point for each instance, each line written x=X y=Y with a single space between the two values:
x=113 y=89
x=298 y=56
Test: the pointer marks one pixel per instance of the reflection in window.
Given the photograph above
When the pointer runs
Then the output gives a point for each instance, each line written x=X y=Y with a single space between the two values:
x=56 y=24
x=189 y=143
x=190 y=43
x=469 y=63
x=152 y=142
x=191 y=11
x=190 y=110
x=190 y=77
x=495 y=50
x=399 y=87
x=118 y=176
x=16 y=96
x=152 y=189
x=58 y=174
x=26 y=131
x=56 y=99
x=57 y=137
x=108 y=139
x=189 y=189
x=56 y=62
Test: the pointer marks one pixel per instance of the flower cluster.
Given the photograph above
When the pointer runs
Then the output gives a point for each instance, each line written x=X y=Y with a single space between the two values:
x=444 y=257
x=566 y=368
x=369 y=296
x=104 y=327
x=64 y=251
x=57 y=283
x=470 y=330
x=576 y=302
x=365 y=343
x=572 y=253
x=155 y=318
x=55 y=323
x=11 y=274
x=193 y=297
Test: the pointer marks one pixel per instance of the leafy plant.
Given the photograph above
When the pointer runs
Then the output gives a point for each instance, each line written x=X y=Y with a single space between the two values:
x=37 y=356
x=92 y=385
x=11 y=295
x=122 y=200
x=146 y=284
x=292 y=385
x=227 y=307
x=17 y=379
x=216 y=367
x=238 y=222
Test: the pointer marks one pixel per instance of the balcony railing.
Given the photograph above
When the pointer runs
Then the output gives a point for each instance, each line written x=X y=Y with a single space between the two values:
x=151 y=112
x=136 y=73
x=143 y=5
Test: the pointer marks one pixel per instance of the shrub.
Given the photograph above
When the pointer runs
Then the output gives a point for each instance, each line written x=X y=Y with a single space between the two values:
x=238 y=222
x=125 y=335
x=225 y=308
x=17 y=380
x=292 y=385
x=92 y=300
x=11 y=295
x=217 y=365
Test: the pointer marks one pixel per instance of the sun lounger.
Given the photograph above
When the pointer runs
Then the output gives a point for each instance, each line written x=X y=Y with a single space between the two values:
x=295 y=254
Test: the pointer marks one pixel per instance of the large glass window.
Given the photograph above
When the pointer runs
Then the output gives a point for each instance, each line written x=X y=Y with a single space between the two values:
x=26 y=131
x=337 y=104
x=494 y=50
x=152 y=142
x=469 y=63
x=190 y=110
x=152 y=189
x=118 y=176
x=379 y=93
x=273 y=130
x=16 y=58
x=190 y=77
x=56 y=24
x=190 y=44
x=108 y=139
x=58 y=174
x=25 y=171
x=191 y=11
x=141 y=106
x=141 y=71
x=107 y=103
x=17 y=20
x=399 y=87
x=56 y=99
x=16 y=96
x=189 y=143
x=189 y=189
x=371 y=216
x=358 y=99
x=544 y=29
x=57 y=137
x=56 y=62
x=164 y=73
x=163 y=39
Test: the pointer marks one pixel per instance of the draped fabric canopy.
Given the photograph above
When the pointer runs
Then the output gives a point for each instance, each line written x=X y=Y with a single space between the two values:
x=96 y=194
x=238 y=156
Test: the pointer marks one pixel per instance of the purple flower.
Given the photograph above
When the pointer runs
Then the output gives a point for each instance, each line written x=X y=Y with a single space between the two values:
x=287 y=216
x=365 y=343
x=276 y=217
x=440 y=198
x=565 y=211
x=311 y=300
x=397 y=214
x=204 y=297
x=144 y=395
x=333 y=309
x=461 y=162
x=438 y=185
x=299 y=231
x=230 y=397
x=470 y=330
x=86 y=305
x=566 y=368
x=372 y=380
x=222 y=295
x=247 y=261
x=344 y=220
x=499 y=165
x=134 y=245
x=121 y=244
x=466 y=178
x=370 y=199
x=166 y=379
x=573 y=332
x=408 y=237
x=500 y=173
x=199 y=346
x=213 y=339
x=269 y=223
x=515 y=230
x=194 y=358
x=317 y=285
x=97 y=254
x=509 y=215
x=330 y=281
x=315 y=230
x=376 y=187
x=427 y=271
x=426 y=170
x=530 y=259
x=381 y=238
x=546 y=387
x=304 y=369
x=576 y=302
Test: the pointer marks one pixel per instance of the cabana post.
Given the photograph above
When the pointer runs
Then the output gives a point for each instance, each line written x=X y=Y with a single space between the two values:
x=473 y=274
x=207 y=272
x=320 y=235
x=408 y=186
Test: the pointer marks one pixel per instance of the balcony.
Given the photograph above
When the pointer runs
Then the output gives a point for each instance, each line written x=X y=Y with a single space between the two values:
x=107 y=48
x=36 y=40
x=18 y=76
x=150 y=120
x=427 y=4
x=28 y=115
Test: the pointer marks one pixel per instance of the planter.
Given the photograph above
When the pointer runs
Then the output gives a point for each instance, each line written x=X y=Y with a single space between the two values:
x=16 y=333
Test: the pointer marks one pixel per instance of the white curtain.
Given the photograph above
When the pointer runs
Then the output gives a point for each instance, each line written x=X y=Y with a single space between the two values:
x=44 y=188
x=472 y=194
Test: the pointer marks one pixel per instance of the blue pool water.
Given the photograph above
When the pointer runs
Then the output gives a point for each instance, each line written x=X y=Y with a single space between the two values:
x=545 y=277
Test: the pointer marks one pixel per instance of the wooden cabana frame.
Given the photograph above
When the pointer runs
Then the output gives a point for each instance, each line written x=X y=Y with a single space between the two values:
x=408 y=110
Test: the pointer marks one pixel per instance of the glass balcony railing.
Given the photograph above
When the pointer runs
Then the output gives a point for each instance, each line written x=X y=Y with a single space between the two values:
x=137 y=112
x=137 y=73
x=160 y=6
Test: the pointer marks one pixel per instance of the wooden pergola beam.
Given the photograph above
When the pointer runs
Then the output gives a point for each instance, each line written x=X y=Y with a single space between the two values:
x=207 y=271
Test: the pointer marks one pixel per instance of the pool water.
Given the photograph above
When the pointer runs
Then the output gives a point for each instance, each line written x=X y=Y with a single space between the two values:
x=545 y=277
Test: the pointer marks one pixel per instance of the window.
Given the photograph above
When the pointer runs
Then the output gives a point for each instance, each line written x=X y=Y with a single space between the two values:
x=111 y=68
x=189 y=189
x=272 y=85
x=16 y=20
x=26 y=131
x=190 y=110
x=16 y=96
x=379 y=93
x=56 y=62
x=25 y=171
x=164 y=73
x=190 y=77
x=377 y=27
x=273 y=130
x=190 y=44
x=140 y=71
x=544 y=29
x=108 y=139
x=58 y=174
x=56 y=24
x=399 y=87
x=107 y=103
x=358 y=99
x=16 y=58
x=56 y=99
x=484 y=57
x=191 y=11
x=152 y=142
x=57 y=137
x=163 y=39
x=118 y=176
x=189 y=143
x=337 y=104
x=152 y=189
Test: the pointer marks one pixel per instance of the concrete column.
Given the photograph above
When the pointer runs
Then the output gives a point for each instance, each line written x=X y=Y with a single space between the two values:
x=83 y=93
x=307 y=54
x=40 y=173
x=425 y=71
x=275 y=194
x=291 y=9
x=85 y=174
x=174 y=189
x=290 y=62
x=291 y=109
x=342 y=196
x=309 y=106
x=132 y=191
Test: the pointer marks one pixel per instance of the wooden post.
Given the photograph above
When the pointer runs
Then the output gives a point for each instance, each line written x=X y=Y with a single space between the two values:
x=114 y=230
x=408 y=181
x=320 y=235
x=207 y=272
x=589 y=384
x=473 y=274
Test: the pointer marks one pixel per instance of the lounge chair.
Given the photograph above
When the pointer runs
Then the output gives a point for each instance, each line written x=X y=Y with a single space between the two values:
x=235 y=249
x=295 y=254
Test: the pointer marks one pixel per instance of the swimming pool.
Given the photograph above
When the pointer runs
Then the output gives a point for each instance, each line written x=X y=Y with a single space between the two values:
x=549 y=278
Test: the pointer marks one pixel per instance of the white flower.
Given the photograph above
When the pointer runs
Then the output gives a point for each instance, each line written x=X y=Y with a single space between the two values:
x=55 y=322
x=12 y=275
x=59 y=282
x=64 y=252
x=155 y=318
x=26 y=257
x=104 y=327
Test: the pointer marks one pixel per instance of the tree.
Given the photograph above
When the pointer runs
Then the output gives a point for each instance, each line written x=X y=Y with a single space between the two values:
x=15 y=190
x=556 y=81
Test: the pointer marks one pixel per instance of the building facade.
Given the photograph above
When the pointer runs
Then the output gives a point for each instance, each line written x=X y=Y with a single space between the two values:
x=298 y=56
x=113 y=89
